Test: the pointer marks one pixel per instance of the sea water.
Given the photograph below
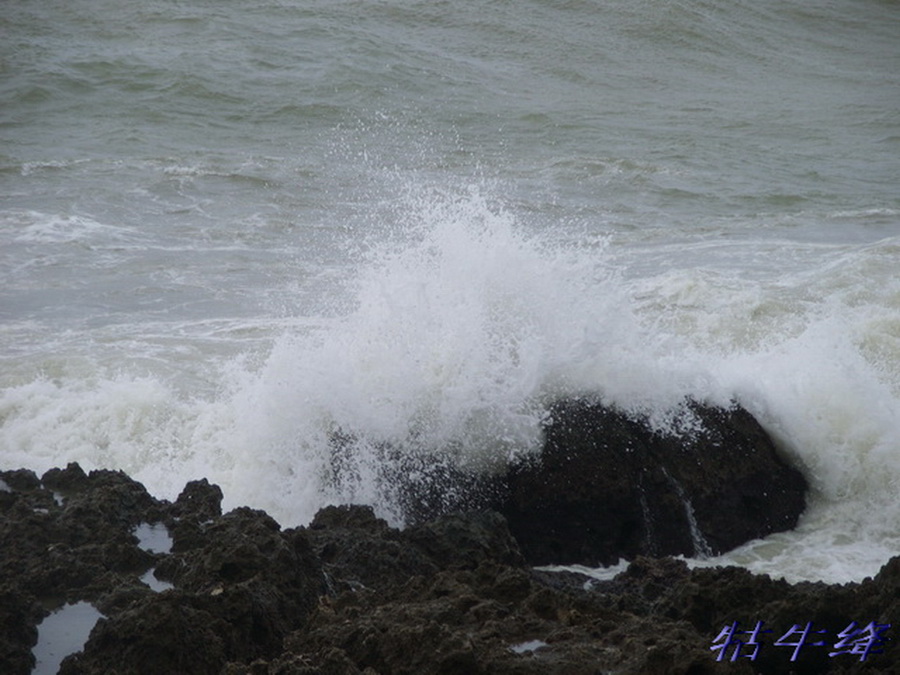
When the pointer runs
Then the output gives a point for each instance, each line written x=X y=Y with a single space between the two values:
x=65 y=631
x=230 y=231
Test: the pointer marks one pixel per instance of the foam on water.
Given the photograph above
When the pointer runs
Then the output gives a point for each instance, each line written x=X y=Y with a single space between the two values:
x=40 y=228
x=465 y=326
x=813 y=353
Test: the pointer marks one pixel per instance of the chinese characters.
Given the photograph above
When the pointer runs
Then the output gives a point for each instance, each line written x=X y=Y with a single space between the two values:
x=853 y=640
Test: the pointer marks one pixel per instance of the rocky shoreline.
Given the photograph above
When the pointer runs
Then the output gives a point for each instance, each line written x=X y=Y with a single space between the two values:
x=349 y=594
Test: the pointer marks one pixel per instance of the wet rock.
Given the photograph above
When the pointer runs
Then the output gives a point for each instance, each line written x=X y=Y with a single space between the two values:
x=608 y=486
x=421 y=483
x=166 y=635
x=66 y=481
x=71 y=537
x=19 y=616
x=656 y=617
x=239 y=589
x=55 y=548
x=361 y=550
x=199 y=501
x=465 y=540
x=20 y=480
x=258 y=581
x=497 y=619
x=451 y=595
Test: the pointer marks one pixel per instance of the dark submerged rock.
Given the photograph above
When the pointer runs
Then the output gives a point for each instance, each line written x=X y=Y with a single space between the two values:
x=608 y=486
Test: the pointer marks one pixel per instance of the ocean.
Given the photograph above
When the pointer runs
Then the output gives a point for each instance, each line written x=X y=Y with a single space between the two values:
x=230 y=230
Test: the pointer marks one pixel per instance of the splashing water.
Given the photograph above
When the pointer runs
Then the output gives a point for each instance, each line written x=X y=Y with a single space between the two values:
x=462 y=326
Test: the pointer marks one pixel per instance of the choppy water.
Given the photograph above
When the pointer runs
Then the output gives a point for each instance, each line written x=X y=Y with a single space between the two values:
x=228 y=229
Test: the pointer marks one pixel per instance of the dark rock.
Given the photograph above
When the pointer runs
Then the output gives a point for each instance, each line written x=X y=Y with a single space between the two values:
x=421 y=484
x=68 y=480
x=242 y=583
x=167 y=635
x=494 y=619
x=465 y=540
x=48 y=550
x=608 y=486
x=261 y=582
x=348 y=517
x=360 y=551
x=364 y=552
x=18 y=619
x=446 y=596
x=20 y=479
x=110 y=506
x=199 y=501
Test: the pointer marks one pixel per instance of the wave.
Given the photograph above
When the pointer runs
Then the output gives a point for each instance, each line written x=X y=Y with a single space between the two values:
x=464 y=325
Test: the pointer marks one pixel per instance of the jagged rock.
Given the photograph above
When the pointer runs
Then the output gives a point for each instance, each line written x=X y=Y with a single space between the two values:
x=420 y=483
x=448 y=596
x=167 y=635
x=200 y=501
x=464 y=603
x=71 y=537
x=21 y=480
x=607 y=486
x=496 y=619
x=362 y=550
x=66 y=481
x=465 y=540
x=51 y=547
x=19 y=615
x=240 y=587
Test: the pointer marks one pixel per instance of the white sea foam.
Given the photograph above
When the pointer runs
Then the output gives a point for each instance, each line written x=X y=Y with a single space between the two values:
x=42 y=228
x=464 y=328
x=663 y=238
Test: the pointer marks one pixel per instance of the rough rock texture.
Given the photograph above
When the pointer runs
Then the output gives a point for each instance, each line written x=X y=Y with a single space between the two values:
x=351 y=595
x=240 y=582
x=489 y=614
x=607 y=486
x=359 y=551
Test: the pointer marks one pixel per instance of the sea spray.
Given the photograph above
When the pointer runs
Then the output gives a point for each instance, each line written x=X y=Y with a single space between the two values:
x=458 y=341
x=455 y=334
x=812 y=352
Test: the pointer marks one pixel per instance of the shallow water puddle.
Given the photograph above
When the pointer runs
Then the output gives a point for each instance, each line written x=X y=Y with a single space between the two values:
x=62 y=633
x=526 y=647
x=155 y=584
x=154 y=537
